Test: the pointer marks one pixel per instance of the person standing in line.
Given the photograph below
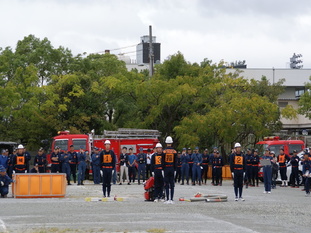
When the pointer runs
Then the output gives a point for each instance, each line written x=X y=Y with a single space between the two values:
x=294 y=160
x=184 y=159
x=307 y=173
x=249 y=167
x=124 y=166
x=255 y=168
x=148 y=164
x=131 y=166
x=141 y=160
x=73 y=161
x=178 y=168
x=205 y=161
x=81 y=166
x=96 y=164
x=196 y=158
x=55 y=160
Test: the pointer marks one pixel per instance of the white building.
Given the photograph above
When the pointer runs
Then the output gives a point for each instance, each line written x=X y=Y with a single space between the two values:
x=295 y=80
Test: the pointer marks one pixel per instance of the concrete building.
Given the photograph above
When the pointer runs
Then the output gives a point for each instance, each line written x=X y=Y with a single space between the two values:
x=295 y=80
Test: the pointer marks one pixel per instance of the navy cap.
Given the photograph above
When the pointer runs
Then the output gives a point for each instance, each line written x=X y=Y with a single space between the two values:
x=267 y=149
x=196 y=148
x=2 y=169
x=184 y=148
x=215 y=148
x=141 y=149
x=81 y=147
x=148 y=150
x=71 y=146
x=56 y=147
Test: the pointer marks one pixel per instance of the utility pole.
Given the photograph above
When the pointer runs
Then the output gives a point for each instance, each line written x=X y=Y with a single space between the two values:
x=151 y=56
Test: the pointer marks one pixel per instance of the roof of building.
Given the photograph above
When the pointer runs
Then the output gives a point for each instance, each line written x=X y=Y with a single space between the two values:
x=293 y=77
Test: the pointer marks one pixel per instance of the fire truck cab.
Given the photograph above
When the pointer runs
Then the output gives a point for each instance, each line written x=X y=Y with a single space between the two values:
x=275 y=144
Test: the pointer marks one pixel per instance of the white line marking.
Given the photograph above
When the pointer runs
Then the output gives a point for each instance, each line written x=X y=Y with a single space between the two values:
x=2 y=225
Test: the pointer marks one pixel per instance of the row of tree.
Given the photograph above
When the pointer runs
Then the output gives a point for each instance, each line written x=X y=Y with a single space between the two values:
x=45 y=89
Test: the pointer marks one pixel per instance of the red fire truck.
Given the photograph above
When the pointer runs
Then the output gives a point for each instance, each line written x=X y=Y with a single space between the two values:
x=274 y=144
x=135 y=138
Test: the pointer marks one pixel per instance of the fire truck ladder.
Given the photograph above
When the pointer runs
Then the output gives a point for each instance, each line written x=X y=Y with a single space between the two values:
x=131 y=133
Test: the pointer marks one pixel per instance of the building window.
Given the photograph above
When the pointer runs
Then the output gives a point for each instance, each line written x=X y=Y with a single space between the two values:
x=299 y=92
x=283 y=104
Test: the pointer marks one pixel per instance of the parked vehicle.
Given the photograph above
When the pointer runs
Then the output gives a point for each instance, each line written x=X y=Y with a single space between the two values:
x=275 y=144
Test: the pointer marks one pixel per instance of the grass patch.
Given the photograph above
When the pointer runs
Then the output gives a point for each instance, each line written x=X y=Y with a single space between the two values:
x=156 y=230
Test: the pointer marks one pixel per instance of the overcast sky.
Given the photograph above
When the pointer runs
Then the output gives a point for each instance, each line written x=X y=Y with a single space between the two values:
x=265 y=33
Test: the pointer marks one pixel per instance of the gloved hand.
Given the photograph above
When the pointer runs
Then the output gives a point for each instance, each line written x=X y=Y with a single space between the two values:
x=232 y=173
x=2 y=184
x=174 y=173
x=243 y=174
x=152 y=174
x=13 y=171
x=101 y=172
x=112 y=172
x=163 y=173
x=25 y=171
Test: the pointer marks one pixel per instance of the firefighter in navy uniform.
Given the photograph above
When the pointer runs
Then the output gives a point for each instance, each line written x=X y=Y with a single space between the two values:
x=294 y=160
x=10 y=163
x=108 y=162
x=205 y=160
x=189 y=152
x=40 y=159
x=141 y=161
x=28 y=158
x=55 y=160
x=157 y=172
x=65 y=158
x=169 y=167
x=196 y=158
x=184 y=159
x=255 y=168
x=249 y=167
x=238 y=166
x=283 y=159
x=307 y=172
x=73 y=161
x=178 y=169
x=21 y=160
x=96 y=165
x=218 y=163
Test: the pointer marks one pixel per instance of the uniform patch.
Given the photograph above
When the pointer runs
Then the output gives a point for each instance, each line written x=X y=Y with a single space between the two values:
x=238 y=160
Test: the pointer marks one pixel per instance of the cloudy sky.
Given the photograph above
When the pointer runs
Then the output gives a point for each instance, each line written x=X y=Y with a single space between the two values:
x=265 y=33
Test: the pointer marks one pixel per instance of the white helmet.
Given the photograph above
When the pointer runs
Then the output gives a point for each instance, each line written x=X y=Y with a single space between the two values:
x=237 y=145
x=159 y=145
x=169 y=139
x=107 y=142
x=20 y=146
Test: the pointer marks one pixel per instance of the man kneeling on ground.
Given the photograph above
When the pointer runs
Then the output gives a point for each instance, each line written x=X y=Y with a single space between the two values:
x=5 y=180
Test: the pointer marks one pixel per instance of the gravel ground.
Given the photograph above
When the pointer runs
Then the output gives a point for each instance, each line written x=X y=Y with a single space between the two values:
x=285 y=210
